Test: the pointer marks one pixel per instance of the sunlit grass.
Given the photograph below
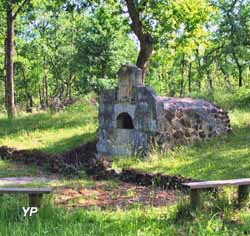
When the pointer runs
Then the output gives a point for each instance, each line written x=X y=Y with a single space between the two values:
x=151 y=221
x=50 y=131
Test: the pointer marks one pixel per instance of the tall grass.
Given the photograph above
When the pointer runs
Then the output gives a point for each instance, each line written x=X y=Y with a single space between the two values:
x=165 y=221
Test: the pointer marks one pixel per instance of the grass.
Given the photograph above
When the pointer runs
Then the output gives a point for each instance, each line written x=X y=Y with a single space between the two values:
x=221 y=158
x=79 y=222
x=161 y=221
x=8 y=169
x=50 y=131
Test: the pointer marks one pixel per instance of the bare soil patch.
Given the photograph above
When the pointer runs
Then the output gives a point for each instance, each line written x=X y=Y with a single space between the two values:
x=133 y=186
x=124 y=195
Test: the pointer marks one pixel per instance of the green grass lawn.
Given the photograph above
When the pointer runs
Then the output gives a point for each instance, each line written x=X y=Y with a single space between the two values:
x=221 y=158
x=50 y=131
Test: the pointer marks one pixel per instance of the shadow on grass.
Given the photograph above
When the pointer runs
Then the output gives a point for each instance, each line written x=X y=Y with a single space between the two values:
x=58 y=221
x=10 y=169
x=44 y=121
x=69 y=143
x=223 y=157
x=222 y=204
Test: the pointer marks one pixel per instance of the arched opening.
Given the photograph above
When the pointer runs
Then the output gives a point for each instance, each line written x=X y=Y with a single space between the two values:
x=124 y=121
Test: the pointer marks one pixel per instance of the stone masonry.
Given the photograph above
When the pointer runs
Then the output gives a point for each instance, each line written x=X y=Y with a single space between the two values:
x=132 y=118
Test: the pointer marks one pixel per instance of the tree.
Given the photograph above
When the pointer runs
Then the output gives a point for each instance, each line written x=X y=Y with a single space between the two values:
x=233 y=33
x=102 y=44
x=2 y=53
x=63 y=51
x=145 y=38
x=11 y=15
x=156 y=24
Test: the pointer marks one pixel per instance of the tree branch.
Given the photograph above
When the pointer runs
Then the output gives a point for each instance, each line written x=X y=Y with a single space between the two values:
x=20 y=8
x=2 y=32
x=232 y=5
x=136 y=25
x=145 y=38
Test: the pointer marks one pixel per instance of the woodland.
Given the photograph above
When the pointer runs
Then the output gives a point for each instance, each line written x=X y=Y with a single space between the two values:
x=57 y=56
x=61 y=50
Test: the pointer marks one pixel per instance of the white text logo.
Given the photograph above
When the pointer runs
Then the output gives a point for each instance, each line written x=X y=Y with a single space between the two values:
x=30 y=210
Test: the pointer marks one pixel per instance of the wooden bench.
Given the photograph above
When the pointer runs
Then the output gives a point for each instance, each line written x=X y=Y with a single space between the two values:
x=197 y=187
x=35 y=194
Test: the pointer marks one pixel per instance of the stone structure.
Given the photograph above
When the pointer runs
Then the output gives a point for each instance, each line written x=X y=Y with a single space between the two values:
x=132 y=118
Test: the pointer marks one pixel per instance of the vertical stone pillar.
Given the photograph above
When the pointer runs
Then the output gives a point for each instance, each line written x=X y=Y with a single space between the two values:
x=128 y=77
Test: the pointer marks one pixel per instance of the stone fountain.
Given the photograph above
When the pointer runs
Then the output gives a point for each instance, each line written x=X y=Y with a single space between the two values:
x=132 y=118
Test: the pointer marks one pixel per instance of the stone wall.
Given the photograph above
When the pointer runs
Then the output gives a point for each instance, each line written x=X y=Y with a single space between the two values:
x=186 y=120
x=132 y=119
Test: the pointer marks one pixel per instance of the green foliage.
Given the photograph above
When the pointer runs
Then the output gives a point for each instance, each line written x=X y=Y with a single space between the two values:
x=205 y=53
x=68 y=48
x=104 y=39
x=228 y=100
x=65 y=49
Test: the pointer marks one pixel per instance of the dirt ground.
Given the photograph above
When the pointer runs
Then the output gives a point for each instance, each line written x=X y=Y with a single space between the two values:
x=129 y=188
x=123 y=195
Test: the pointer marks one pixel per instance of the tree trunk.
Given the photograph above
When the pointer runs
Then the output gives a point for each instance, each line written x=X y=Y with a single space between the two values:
x=9 y=61
x=210 y=82
x=182 y=75
x=199 y=70
x=146 y=40
x=41 y=98
x=69 y=87
x=45 y=90
x=234 y=44
x=189 y=77
x=239 y=66
x=5 y=76
x=208 y=72
x=226 y=78
x=29 y=101
x=146 y=49
x=240 y=76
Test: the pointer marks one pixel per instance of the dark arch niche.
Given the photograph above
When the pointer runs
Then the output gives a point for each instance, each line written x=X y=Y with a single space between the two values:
x=124 y=121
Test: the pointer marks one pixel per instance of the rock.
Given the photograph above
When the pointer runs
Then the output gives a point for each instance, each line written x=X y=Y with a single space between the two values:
x=178 y=134
x=202 y=134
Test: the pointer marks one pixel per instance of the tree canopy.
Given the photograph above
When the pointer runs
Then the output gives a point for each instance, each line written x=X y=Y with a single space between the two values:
x=65 y=48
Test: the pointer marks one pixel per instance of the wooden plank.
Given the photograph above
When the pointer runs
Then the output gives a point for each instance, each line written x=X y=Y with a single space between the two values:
x=217 y=183
x=26 y=190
